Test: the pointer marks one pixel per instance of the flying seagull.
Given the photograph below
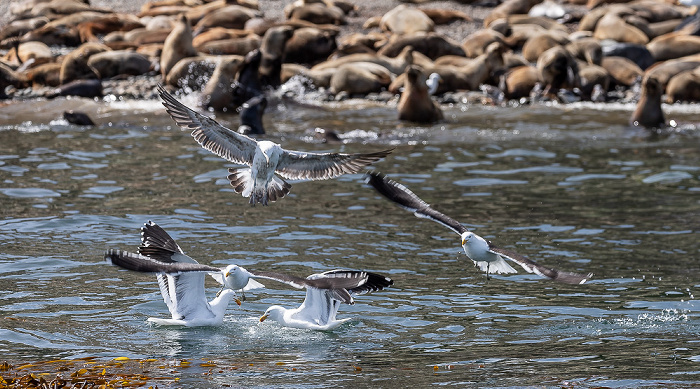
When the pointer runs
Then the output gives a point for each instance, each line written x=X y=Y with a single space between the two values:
x=324 y=294
x=183 y=291
x=258 y=182
x=483 y=253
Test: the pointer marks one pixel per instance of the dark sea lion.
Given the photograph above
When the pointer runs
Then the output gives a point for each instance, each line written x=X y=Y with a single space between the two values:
x=638 y=54
x=648 y=112
x=8 y=77
x=78 y=118
x=590 y=77
x=119 y=62
x=177 y=45
x=272 y=50
x=247 y=84
x=431 y=44
x=415 y=103
x=251 y=115
x=81 y=88
x=586 y=49
x=684 y=87
x=558 y=69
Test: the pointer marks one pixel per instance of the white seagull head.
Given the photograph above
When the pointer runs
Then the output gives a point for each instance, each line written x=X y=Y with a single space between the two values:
x=274 y=312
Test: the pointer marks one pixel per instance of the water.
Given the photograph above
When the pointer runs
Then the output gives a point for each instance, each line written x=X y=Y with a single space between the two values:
x=570 y=187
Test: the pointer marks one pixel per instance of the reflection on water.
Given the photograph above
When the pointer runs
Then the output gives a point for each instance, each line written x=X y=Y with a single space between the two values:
x=566 y=186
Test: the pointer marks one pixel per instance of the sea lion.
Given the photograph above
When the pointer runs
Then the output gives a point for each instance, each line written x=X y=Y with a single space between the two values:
x=470 y=75
x=673 y=45
x=251 y=115
x=272 y=50
x=191 y=72
x=415 y=103
x=248 y=83
x=78 y=118
x=216 y=34
x=17 y=28
x=359 y=78
x=590 y=76
x=177 y=45
x=684 y=87
x=614 y=27
x=445 y=16
x=90 y=30
x=37 y=53
x=231 y=16
x=82 y=88
x=318 y=13
x=538 y=44
x=623 y=71
x=47 y=74
x=8 y=77
x=509 y=7
x=638 y=54
x=404 y=20
x=109 y=64
x=218 y=92
x=74 y=65
x=233 y=46
x=648 y=112
x=431 y=44
x=319 y=78
x=475 y=43
x=663 y=71
x=586 y=49
x=396 y=65
x=558 y=69
x=309 y=45
x=520 y=81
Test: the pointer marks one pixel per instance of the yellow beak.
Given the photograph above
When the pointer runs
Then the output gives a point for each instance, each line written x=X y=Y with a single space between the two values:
x=238 y=301
x=262 y=318
x=228 y=273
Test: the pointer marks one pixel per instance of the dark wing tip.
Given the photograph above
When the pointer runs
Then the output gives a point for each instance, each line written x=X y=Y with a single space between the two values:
x=395 y=192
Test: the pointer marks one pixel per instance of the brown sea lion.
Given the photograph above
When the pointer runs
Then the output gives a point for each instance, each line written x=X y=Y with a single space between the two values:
x=415 y=103
x=272 y=50
x=470 y=75
x=359 y=78
x=92 y=30
x=231 y=16
x=309 y=45
x=673 y=45
x=216 y=34
x=475 y=43
x=119 y=62
x=234 y=46
x=507 y=8
x=37 y=53
x=404 y=20
x=218 y=92
x=8 y=77
x=431 y=44
x=191 y=72
x=648 y=112
x=538 y=44
x=520 y=81
x=663 y=71
x=20 y=27
x=319 y=78
x=445 y=16
x=74 y=65
x=590 y=76
x=47 y=74
x=318 y=14
x=684 y=87
x=586 y=49
x=614 y=27
x=623 y=71
x=638 y=54
x=177 y=45
x=396 y=65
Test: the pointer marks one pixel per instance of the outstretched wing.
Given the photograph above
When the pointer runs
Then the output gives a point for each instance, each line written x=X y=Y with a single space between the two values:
x=211 y=135
x=408 y=200
x=145 y=264
x=533 y=267
x=296 y=165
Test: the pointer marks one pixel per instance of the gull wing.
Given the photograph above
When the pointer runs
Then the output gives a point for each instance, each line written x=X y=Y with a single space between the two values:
x=295 y=165
x=533 y=267
x=145 y=264
x=408 y=200
x=319 y=307
x=211 y=135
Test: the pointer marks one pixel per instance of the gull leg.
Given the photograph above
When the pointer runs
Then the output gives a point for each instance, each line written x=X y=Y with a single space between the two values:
x=488 y=270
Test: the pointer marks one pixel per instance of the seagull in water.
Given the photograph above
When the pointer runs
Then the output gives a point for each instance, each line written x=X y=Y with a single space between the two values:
x=324 y=294
x=483 y=253
x=264 y=158
x=180 y=280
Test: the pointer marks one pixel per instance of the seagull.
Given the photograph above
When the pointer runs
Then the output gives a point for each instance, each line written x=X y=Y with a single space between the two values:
x=182 y=290
x=483 y=253
x=324 y=294
x=433 y=82
x=258 y=182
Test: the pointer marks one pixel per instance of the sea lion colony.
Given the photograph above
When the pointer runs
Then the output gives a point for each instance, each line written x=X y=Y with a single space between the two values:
x=230 y=52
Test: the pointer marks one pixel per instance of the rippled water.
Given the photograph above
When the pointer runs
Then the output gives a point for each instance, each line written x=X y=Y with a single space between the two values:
x=567 y=186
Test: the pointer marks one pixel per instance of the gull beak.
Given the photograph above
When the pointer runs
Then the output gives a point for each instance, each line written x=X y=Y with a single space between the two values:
x=464 y=240
x=262 y=318
x=238 y=301
x=228 y=273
